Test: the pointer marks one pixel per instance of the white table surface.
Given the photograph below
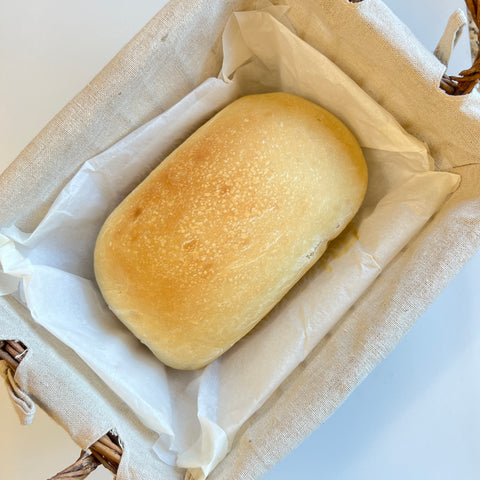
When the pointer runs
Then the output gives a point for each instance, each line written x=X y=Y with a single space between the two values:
x=416 y=416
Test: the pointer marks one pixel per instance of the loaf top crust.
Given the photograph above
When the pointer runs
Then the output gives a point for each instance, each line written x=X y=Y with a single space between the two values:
x=219 y=232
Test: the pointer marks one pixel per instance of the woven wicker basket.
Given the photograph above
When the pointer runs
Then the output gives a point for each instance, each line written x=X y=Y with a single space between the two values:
x=106 y=451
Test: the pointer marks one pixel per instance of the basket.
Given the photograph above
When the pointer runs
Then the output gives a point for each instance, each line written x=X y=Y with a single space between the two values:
x=107 y=451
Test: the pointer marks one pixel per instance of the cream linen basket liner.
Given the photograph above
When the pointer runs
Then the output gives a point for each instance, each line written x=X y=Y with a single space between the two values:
x=178 y=49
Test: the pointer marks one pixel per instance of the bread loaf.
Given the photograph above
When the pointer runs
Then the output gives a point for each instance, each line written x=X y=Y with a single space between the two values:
x=219 y=232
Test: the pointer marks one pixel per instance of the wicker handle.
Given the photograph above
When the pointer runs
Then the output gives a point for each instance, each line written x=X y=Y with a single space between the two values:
x=467 y=79
x=105 y=451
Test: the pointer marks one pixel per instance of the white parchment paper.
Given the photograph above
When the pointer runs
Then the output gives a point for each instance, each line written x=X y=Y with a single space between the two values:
x=197 y=414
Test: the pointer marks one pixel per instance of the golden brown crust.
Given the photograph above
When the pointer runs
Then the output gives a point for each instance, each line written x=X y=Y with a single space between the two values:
x=217 y=234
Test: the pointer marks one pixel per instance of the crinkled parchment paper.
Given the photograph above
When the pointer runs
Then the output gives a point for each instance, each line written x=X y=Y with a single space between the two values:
x=197 y=414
